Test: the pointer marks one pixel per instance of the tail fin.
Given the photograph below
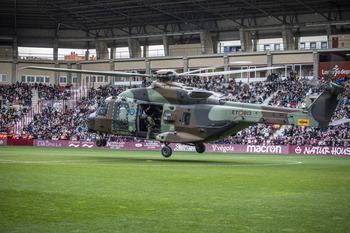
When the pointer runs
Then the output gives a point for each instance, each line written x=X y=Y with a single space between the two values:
x=324 y=106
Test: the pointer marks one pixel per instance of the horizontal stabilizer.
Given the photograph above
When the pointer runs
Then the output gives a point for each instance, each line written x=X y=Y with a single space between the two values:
x=323 y=107
x=339 y=122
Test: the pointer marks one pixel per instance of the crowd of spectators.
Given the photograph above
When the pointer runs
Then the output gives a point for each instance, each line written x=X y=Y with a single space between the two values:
x=58 y=124
x=332 y=136
x=9 y=116
x=71 y=124
x=52 y=92
x=16 y=94
x=289 y=94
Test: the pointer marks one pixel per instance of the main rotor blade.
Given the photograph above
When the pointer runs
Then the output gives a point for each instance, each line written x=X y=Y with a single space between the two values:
x=95 y=72
x=234 y=71
x=214 y=67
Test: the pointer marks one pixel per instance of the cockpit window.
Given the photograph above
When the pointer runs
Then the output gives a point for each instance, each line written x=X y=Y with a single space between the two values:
x=102 y=111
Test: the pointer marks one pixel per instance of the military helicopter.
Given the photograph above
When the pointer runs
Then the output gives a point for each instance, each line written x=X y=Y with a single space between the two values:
x=192 y=116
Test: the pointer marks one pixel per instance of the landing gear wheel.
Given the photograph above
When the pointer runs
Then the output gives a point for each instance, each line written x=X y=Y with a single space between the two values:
x=200 y=148
x=104 y=142
x=166 y=151
x=99 y=142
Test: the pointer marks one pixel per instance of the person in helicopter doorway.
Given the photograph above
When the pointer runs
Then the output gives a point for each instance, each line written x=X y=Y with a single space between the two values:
x=150 y=124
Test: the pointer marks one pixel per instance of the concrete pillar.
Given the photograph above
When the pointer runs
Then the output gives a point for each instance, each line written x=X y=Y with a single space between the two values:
x=87 y=55
x=216 y=42
x=226 y=67
x=15 y=48
x=331 y=30
x=101 y=50
x=15 y=60
x=316 y=62
x=167 y=41
x=57 y=74
x=166 y=45
x=111 y=68
x=288 y=40
x=145 y=51
x=112 y=53
x=269 y=62
x=14 y=72
x=69 y=74
x=296 y=42
x=55 y=49
x=206 y=42
x=79 y=74
x=134 y=48
x=148 y=66
x=255 y=45
x=185 y=64
x=255 y=37
x=246 y=40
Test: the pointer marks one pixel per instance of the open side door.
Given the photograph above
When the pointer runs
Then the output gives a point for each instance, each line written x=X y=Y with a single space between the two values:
x=124 y=117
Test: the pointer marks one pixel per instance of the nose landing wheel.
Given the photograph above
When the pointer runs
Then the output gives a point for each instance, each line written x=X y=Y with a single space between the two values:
x=200 y=148
x=166 y=150
x=101 y=141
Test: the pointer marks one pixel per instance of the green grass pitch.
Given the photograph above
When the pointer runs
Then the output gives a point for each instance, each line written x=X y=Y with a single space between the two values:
x=97 y=190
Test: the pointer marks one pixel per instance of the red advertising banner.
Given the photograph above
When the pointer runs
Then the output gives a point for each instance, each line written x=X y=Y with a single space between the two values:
x=233 y=148
x=19 y=142
x=3 y=142
x=223 y=148
x=319 y=150
x=337 y=70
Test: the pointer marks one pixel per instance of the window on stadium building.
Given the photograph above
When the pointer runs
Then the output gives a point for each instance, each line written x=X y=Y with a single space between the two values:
x=3 y=77
x=40 y=79
x=97 y=79
x=63 y=79
x=35 y=79
x=312 y=45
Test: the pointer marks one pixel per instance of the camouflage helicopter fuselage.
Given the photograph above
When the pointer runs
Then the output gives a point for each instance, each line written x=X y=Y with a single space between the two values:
x=192 y=116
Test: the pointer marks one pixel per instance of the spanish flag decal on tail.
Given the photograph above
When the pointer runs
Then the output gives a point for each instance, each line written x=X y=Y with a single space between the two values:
x=304 y=122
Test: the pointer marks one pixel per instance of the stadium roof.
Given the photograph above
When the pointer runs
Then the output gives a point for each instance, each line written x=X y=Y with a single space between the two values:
x=38 y=22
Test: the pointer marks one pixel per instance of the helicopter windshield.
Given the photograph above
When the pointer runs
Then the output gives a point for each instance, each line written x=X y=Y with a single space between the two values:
x=103 y=109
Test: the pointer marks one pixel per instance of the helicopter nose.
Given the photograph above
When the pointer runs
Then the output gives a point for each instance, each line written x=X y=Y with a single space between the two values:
x=91 y=121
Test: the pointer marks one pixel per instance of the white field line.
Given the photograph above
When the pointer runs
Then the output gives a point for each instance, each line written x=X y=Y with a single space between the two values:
x=108 y=162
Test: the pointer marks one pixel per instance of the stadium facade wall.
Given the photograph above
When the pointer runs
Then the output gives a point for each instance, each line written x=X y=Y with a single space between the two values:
x=224 y=148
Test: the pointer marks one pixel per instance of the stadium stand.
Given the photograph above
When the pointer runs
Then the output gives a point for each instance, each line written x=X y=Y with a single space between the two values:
x=69 y=123
x=16 y=94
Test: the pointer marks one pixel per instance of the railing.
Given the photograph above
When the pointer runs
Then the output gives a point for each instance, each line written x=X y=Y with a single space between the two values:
x=17 y=128
x=79 y=92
